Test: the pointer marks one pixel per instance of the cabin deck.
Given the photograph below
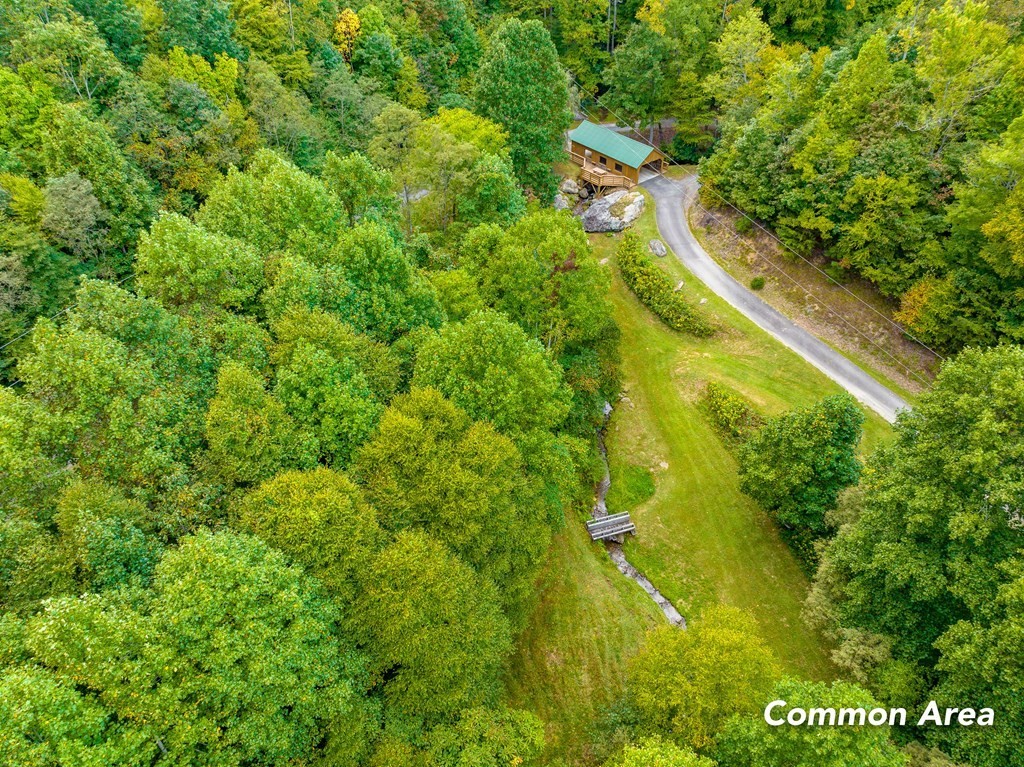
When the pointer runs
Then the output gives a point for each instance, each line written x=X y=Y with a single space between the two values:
x=600 y=177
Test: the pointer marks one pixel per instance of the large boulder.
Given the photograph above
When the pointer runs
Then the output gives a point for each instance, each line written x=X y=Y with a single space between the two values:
x=569 y=187
x=614 y=212
x=561 y=202
x=657 y=247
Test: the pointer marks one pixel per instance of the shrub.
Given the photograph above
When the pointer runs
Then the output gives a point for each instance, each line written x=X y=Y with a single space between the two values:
x=757 y=283
x=730 y=413
x=654 y=289
x=743 y=225
x=798 y=463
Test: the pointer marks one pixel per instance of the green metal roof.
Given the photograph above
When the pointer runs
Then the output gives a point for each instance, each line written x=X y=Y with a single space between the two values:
x=611 y=144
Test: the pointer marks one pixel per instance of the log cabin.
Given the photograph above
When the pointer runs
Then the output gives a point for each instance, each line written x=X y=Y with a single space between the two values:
x=609 y=159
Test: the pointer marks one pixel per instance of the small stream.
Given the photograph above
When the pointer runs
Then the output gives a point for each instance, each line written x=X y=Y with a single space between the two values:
x=614 y=548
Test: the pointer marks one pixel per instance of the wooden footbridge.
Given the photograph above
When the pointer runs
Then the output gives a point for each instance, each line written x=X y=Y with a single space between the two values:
x=611 y=526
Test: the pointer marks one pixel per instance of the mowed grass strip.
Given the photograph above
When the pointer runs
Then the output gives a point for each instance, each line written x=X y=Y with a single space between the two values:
x=569 y=664
x=700 y=540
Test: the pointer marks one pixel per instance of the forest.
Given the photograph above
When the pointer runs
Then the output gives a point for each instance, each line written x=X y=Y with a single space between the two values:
x=302 y=374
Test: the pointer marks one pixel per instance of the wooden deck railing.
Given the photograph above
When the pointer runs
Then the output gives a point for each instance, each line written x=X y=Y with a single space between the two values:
x=600 y=177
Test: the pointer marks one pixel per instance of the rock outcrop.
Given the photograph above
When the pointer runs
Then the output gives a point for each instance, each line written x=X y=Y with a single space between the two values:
x=614 y=212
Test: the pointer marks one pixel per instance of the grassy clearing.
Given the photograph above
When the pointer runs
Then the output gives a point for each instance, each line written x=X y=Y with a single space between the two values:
x=570 y=662
x=701 y=541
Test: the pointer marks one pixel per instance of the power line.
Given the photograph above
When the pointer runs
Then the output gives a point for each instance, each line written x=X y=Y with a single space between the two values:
x=807 y=291
x=67 y=308
x=830 y=278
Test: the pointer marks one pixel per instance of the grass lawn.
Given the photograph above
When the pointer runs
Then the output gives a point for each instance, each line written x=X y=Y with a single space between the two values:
x=700 y=540
x=570 y=662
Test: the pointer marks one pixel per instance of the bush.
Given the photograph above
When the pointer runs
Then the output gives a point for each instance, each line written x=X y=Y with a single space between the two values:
x=757 y=283
x=654 y=289
x=743 y=225
x=798 y=463
x=730 y=413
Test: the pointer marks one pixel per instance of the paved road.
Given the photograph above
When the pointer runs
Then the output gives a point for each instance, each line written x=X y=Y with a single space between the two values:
x=670 y=197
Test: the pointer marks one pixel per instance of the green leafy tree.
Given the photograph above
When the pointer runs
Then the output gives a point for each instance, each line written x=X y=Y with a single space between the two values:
x=654 y=752
x=180 y=263
x=285 y=117
x=490 y=368
x=686 y=684
x=73 y=217
x=542 y=273
x=109 y=410
x=981 y=664
x=393 y=143
x=47 y=721
x=250 y=437
x=485 y=737
x=70 y=53
x=73 y=142
x=429 y=466
x=320 y=519
x=939 y=511
x=230 y=655
x=796 y=464
x=377 y=57
x=329 y=397
x=274 y=206
x=390 y=297
x=521 y=86
x=326 y=331
x=639 y=80
x=437 y=635
x=199 y=26
x=105 y=536
x=741 y=52
x=750 y=741
x=120 y=23
x=363 y=189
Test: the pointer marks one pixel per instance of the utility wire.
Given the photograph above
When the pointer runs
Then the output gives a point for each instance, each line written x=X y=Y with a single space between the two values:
x=739 y=237
x=54 y=316
x=66 y=309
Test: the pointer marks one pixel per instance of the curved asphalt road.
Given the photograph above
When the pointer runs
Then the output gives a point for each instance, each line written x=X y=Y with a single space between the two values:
x=671 y=198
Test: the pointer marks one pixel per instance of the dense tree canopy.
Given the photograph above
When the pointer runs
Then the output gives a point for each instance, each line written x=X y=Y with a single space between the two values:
x=302 y=374
x=686 y=684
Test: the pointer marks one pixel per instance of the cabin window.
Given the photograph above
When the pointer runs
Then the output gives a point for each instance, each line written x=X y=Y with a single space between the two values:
x=618 y=166
x=603 y=160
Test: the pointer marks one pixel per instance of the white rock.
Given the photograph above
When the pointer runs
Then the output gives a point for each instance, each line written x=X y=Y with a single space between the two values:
x=600 y=217
x=678 y=287
x=569 y=186
x=703 y=301
x=561 y=202
x=657 y=247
